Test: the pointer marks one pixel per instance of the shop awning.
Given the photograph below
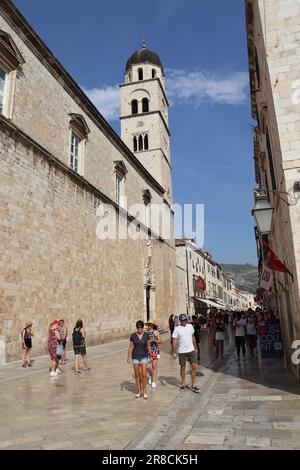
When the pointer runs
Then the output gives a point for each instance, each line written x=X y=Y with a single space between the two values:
x=210 y=303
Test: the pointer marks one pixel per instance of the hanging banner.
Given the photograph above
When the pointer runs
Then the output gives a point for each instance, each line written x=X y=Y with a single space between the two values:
x=266 y=278
x=271 y=340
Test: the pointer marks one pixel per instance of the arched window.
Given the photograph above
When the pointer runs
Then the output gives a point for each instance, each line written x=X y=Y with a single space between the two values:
x=146 y=142
x=135 y=144
x=140 y=142
x=153 y=73
x=141 y=75
x=134 y=107
x=145 y=105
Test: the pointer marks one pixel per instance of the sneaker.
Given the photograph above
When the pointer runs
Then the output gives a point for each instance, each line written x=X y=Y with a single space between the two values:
x=182 y=388
x=77 y=371
x=53 y=373
x=145 y=396
x=244 y=358
x=238 y=359
x=58 y=371
x=138 y=395
x=23 y=365
x=195 y=389
x=29 y=365
x=149 y=381
x=153 y=385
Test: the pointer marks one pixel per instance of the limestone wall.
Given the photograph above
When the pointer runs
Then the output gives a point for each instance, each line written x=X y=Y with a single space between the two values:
x=53 y=266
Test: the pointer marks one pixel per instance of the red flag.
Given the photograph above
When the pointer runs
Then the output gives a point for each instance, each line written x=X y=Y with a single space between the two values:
x=201 y=283
x=274 y=263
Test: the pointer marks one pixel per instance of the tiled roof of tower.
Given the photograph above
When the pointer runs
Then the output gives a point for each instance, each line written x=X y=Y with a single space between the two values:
x=144 y=55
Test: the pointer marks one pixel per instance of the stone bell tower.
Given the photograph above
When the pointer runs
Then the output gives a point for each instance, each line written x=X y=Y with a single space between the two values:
x=144 y=115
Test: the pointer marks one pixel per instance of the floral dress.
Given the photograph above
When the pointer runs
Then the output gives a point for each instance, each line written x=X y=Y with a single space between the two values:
x=155 y=352
x=52 y=344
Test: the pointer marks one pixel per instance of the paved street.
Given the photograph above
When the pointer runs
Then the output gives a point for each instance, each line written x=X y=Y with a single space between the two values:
x=247 y=405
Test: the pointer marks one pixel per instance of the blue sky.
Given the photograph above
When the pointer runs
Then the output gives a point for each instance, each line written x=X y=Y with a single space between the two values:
x=202 y=45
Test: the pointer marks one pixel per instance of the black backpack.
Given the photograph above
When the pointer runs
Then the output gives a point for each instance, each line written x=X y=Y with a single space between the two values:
x=77 y=337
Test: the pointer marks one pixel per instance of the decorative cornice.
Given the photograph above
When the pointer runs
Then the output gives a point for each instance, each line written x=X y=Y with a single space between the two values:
x=129 y=116
x=12 y=131
x=147 y=80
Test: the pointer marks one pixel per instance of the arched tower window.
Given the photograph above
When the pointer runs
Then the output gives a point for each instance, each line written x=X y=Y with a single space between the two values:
x=134 y=144
x=146 y=142
x=140 y=142
x=145 y=105
x=134 y=107
x=153 y=73
x=141 y=75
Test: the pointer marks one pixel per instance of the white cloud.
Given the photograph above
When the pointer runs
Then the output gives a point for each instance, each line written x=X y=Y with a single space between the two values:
x=106 y=100
x=183 y=87
x=194 y=87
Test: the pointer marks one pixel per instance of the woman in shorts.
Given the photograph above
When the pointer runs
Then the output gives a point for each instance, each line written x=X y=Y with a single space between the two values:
x=155 y=352
x=26 y=336
x=79 y=346
x=139 y=351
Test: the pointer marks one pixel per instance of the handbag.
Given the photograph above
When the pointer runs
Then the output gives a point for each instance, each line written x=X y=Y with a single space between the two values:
x=59 y=350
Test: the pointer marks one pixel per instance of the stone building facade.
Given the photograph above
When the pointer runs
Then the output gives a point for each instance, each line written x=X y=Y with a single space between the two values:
x=218 y=290
x=273 y=30
x=61 y=163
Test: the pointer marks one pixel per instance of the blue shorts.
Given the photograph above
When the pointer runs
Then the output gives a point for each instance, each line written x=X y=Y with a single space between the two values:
x=140 y=361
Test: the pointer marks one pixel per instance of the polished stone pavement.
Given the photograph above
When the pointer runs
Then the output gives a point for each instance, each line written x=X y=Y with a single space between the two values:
x=248 y=405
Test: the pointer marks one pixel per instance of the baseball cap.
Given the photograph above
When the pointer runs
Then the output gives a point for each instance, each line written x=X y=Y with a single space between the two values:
x=183 y=317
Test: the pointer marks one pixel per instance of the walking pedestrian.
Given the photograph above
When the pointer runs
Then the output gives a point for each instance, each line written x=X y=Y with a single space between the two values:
x=63 y=331
x=251 y=333
x=155 y=340
x=79 y=346
x=197 y=332
x=55 y=347
x=239 y=325
x=171 y=328
x=139 y=351
x=26 y=336
x=185 y=337
x=220 y=336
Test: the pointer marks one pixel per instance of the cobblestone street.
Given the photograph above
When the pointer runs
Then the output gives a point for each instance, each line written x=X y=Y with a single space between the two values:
x=246 y=405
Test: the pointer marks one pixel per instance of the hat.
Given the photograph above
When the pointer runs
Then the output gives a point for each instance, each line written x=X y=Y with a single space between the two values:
x=28 y=323
x=55 y=322
x=183 y=317
x=151 y=321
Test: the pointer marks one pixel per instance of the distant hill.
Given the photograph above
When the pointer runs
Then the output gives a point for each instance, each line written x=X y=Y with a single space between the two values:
x=245 y=276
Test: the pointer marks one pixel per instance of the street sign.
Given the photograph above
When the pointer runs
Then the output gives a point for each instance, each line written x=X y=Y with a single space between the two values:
x=271 y=340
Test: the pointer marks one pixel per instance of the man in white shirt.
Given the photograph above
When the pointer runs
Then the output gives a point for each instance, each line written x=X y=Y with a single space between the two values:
x=183 y=335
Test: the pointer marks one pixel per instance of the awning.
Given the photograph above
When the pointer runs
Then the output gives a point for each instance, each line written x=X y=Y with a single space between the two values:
x=211 y=303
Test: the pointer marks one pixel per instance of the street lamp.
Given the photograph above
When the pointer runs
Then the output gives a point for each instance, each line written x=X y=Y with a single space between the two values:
x=263 y=213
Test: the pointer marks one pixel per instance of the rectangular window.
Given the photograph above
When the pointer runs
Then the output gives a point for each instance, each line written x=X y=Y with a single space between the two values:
x=271 y=164
x=2 y=86
x=74 y=153
x=118 y=189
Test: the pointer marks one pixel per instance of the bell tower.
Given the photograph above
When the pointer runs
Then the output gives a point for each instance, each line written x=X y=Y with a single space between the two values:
x=144 y=115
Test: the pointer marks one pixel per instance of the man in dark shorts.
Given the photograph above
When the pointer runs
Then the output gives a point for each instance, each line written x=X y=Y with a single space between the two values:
x=185 y=337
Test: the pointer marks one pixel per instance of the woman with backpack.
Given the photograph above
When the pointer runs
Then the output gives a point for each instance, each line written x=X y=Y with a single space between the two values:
x=26 y=336
x=78 y=337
